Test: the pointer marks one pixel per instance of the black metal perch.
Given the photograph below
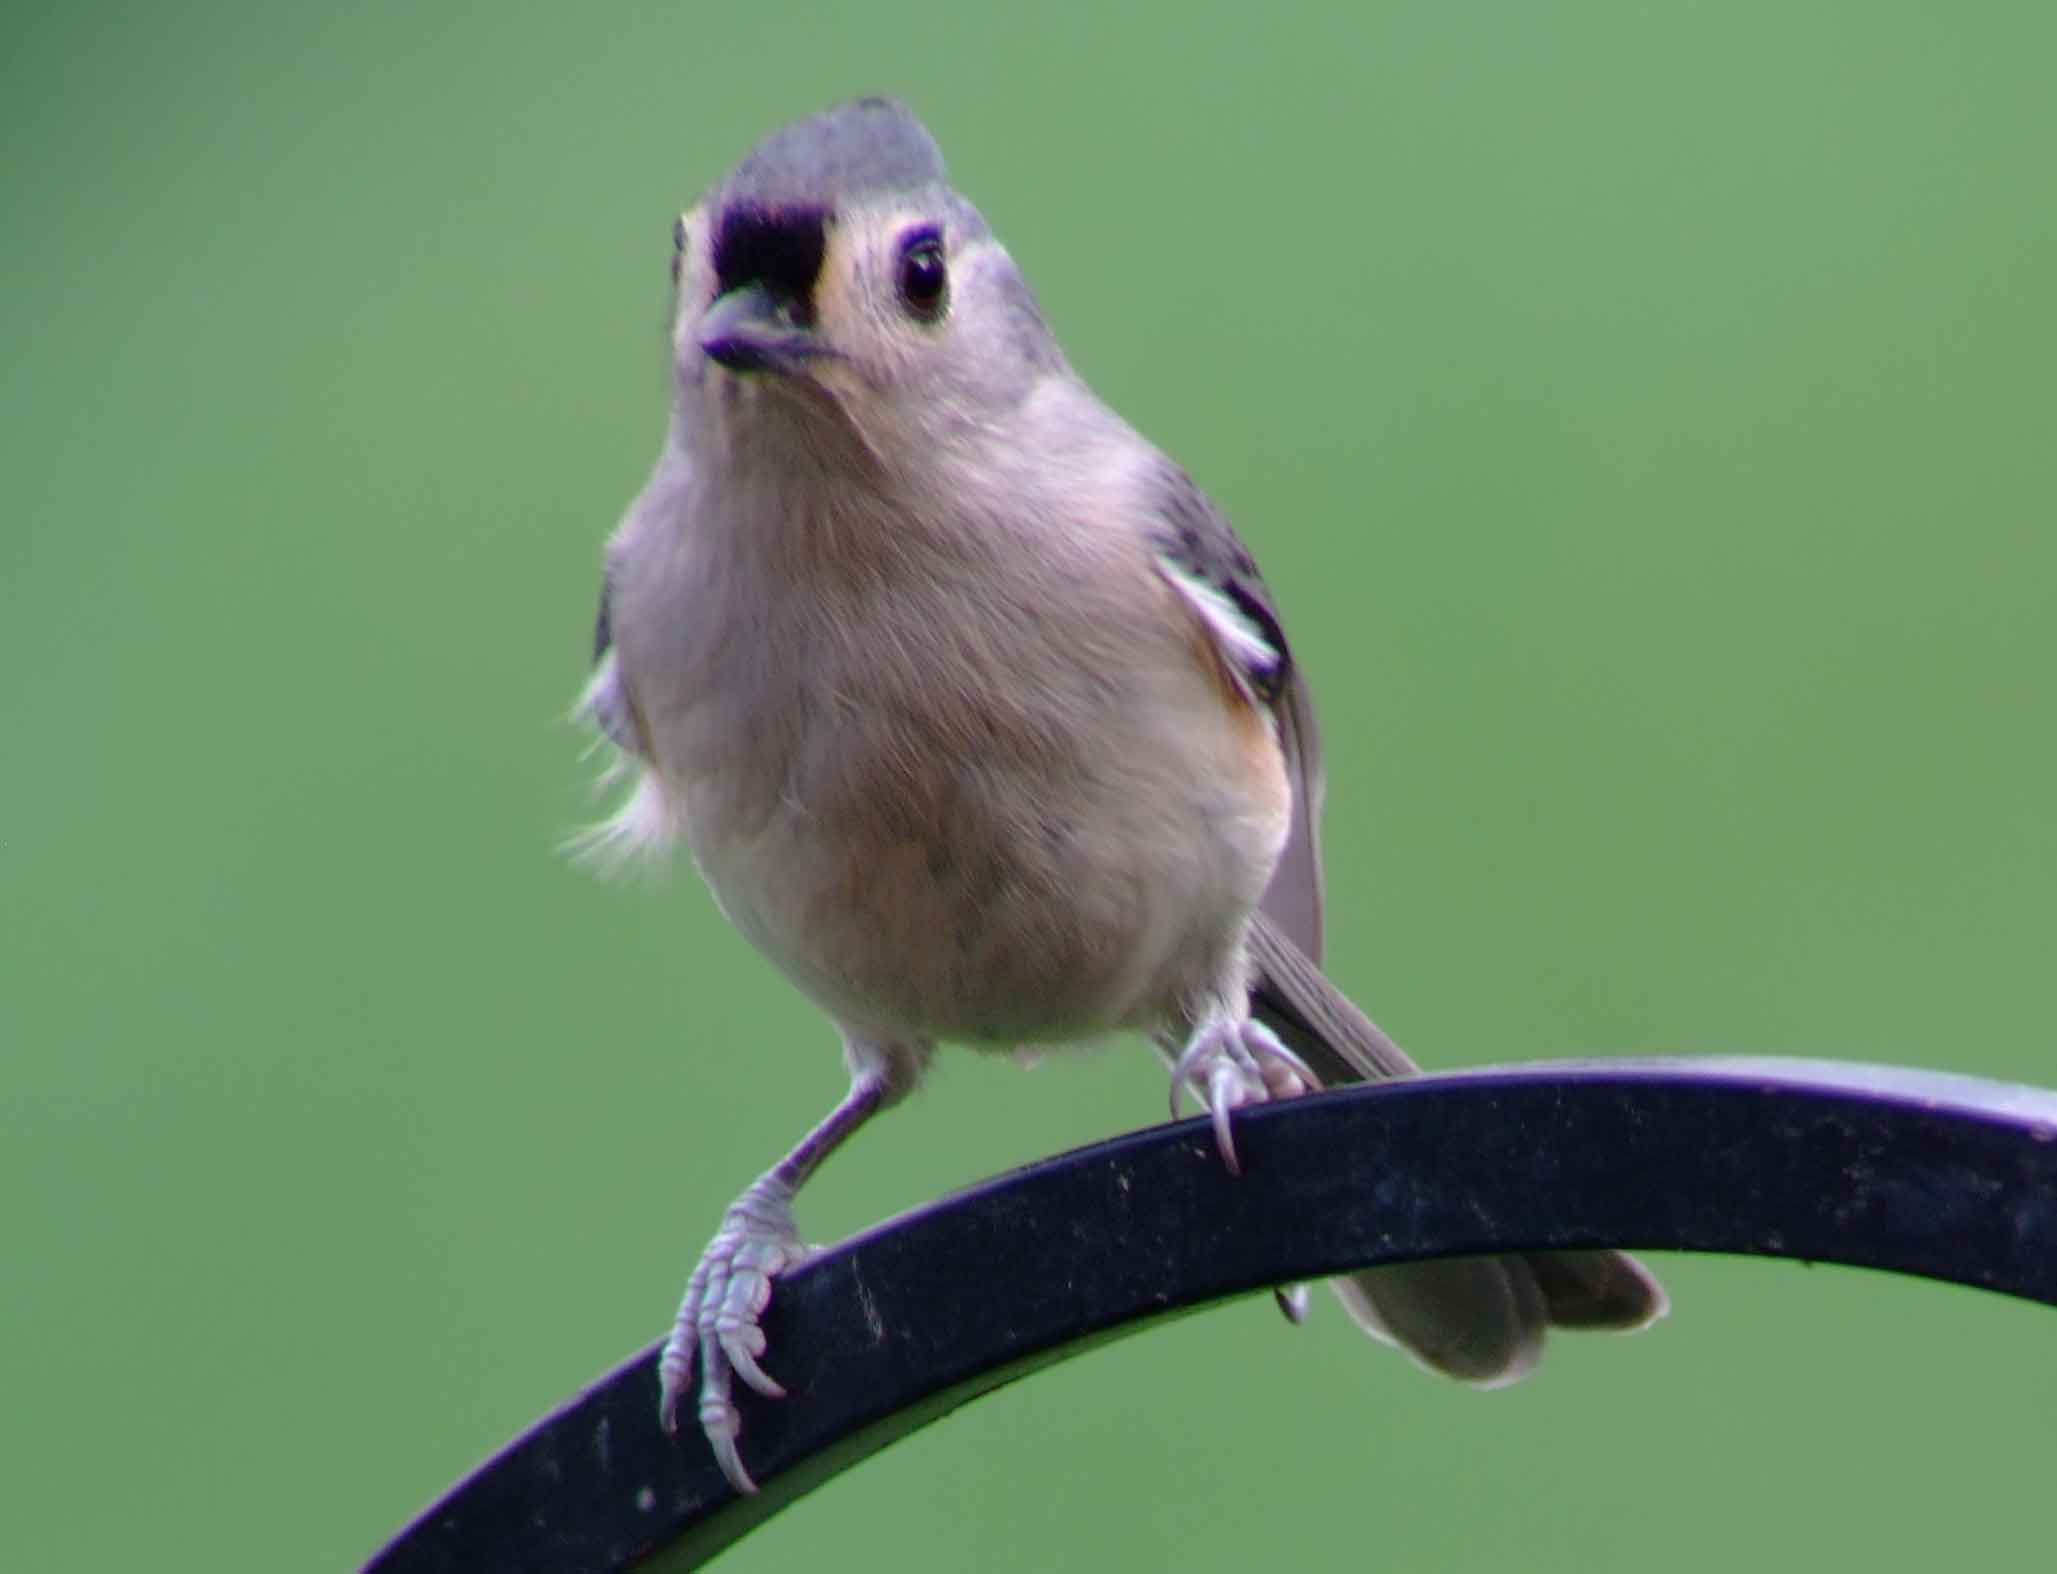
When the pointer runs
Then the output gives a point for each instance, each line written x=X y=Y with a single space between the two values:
x=1946 y=1177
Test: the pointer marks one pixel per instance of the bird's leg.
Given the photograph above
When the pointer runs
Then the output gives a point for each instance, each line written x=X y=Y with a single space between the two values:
x=758 y=1240
x=1230 y=1061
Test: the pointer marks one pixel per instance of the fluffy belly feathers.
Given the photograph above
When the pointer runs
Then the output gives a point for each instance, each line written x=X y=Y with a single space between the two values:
x=1002 y=882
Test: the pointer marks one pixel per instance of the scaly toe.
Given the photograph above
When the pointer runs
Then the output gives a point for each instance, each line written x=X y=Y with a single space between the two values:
x=1186 y=1070
x=1284 y=1073
x=674 y=1371
x=1231 y=1064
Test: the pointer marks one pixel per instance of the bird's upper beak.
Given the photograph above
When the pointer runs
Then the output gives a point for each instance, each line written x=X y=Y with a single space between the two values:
x=751 y=330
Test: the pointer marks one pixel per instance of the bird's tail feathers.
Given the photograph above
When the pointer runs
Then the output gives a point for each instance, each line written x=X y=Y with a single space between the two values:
x=1480 y=1320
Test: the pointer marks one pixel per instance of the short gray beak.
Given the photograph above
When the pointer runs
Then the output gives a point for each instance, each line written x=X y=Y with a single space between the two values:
x=748 y=330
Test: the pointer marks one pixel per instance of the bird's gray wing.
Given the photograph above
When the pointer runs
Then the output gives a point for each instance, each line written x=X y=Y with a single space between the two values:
x=1478 y=1319
x=1200 y=552
x=606 y=701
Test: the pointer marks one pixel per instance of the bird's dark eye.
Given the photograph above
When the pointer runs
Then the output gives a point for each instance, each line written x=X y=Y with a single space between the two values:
x=924 y=279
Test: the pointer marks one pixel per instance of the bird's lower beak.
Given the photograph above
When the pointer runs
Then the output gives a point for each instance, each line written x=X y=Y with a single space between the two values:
x=750 y=330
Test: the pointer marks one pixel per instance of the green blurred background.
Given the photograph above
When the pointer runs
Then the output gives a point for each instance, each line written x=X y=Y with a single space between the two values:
x=1643 y=413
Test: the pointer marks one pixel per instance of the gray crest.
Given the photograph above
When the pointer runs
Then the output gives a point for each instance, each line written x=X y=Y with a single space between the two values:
x=868 y=145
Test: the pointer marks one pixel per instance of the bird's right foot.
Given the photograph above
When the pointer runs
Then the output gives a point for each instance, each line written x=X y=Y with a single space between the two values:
x=1230 y=1064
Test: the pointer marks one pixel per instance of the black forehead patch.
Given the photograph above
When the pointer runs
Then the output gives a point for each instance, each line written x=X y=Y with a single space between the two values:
x=869 y=145
x=780 y=248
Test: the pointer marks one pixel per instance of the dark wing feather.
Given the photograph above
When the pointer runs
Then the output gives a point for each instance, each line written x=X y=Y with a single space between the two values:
x=1199 y=546
x=603 y=624
x=606 y=699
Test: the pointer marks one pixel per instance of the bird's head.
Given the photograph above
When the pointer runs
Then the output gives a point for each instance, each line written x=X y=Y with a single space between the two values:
x=835 y=276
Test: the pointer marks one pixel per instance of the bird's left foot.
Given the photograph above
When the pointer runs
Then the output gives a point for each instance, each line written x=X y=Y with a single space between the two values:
x=1229 y=1064
x=718 y=1321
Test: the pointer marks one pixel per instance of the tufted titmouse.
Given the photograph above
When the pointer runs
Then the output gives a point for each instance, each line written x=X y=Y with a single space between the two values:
x=976 y=716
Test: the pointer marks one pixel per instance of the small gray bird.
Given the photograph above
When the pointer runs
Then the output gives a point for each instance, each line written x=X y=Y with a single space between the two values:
x=976 y=716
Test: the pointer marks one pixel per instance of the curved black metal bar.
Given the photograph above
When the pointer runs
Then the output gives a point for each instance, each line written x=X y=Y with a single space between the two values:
x=1946 y=1177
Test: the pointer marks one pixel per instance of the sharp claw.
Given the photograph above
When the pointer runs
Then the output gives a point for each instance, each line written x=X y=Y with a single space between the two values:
x=731 y=1463
x=1292 y=1302
x=748 y=1370
x=1221 y=1099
